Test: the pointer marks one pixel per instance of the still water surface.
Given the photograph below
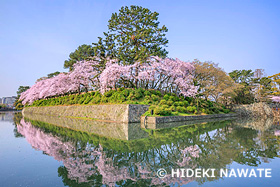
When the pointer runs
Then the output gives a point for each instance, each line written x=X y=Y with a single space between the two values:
x=85 y=153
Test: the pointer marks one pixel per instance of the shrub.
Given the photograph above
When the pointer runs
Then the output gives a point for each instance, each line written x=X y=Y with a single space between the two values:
x=138 y=93
x=81 y=100
x=191 y=109
x=162 y=110
x=104 y=100
x=170 y=103
x=172 y=108
x=131 y=96
x=176 y=113
x=158 y=93
x=181 y=103
x=210 y=104
x=226 y=111
x=167 y=112
x=181 y=109
x=158 y=110
x=87 y=100
x=165 y=106
x=186 y=103
x=126 y=92
x=166 y=97
x=172 y=98
x=162 y=102
x=109 y=93
x=117 y=97
x=147 y=93
x=154 y=97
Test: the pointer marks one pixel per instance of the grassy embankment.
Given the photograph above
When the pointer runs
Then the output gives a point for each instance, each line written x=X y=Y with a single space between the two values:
x=161 y=104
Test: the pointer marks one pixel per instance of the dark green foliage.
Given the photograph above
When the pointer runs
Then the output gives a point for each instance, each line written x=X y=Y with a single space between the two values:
x=181 y=109
x=109 y=93
x=173 y=106
x=163 y=110
x=50 y=75
x=134 y=35
x=162 y=102
x=226 y=111
x=170 y=103
x=147 y=93
x=18 y=104
x=83 y=52
x=244 y=94
x=154 y=97
x=191 y=109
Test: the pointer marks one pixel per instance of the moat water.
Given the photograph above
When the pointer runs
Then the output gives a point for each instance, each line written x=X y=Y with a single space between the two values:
x=36 y=152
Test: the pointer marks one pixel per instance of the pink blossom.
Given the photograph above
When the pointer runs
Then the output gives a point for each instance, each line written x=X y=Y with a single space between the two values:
x=63 y=83
x=276 y=99
x=277 y=132
x=172 y=75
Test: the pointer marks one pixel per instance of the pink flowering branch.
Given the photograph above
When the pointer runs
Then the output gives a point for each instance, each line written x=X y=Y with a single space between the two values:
x=168 y=75
x=275 y=99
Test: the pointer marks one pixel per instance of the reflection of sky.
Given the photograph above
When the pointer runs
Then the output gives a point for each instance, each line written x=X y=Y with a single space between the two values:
x=22 y=165
x=7 y=116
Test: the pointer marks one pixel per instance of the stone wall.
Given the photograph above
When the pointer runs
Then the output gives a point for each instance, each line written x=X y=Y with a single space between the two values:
x=111 y=113
x=170 y=119
x=254 y=110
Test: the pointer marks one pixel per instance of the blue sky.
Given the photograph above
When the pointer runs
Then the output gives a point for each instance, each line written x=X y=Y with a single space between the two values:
x=37 y=36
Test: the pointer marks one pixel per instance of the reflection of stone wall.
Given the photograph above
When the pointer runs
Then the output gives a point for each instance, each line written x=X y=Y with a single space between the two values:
x=260 y=124
x=116 y=113
x=123 y=131
x=182 y=123
x=82 y=163
x=170 y=119
x=254 y=110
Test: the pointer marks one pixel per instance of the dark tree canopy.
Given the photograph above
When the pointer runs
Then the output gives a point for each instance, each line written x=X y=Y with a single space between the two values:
x=22 y=89
x=134 y=35
x=244 y=94
x=50 y=75
x=83 y=52
x=242 y=76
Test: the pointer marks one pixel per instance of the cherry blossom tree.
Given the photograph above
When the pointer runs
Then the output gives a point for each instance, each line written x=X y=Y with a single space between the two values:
x=168 y=75
x=63 y=83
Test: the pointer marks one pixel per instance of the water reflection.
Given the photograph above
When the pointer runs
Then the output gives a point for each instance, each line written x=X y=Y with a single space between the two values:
x=6 y=116
x=123 y=131
x=92 y=160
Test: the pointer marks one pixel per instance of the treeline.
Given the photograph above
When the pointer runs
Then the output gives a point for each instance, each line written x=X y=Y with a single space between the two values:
x=236 y=87
x=2 y=106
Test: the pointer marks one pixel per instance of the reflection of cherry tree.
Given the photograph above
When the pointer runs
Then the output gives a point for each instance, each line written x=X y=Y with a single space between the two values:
x=82 y=163
x=188 y=153
x=277 y=132
x=216 y=145
x=62 y=151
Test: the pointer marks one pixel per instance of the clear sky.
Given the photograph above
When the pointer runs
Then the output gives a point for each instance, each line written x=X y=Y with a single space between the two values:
x=37 y=36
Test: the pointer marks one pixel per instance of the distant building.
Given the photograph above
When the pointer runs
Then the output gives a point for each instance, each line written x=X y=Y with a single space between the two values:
x=8 y=101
